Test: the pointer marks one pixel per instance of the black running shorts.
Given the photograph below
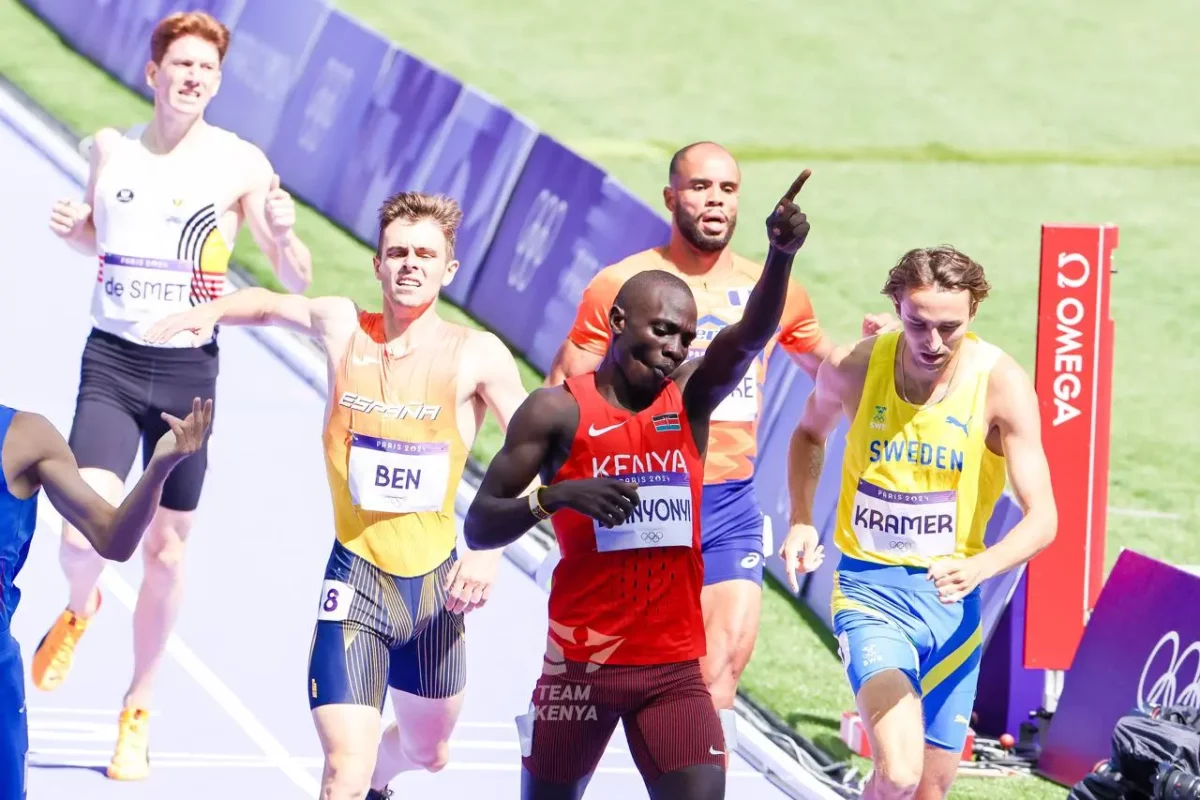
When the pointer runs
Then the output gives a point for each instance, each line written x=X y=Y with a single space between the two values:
x=123 y=389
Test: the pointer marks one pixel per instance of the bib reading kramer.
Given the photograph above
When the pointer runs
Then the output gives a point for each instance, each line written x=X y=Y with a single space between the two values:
x=393 y=451
x=919 y=484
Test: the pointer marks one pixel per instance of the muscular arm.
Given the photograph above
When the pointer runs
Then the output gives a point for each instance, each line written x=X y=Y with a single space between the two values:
x=806 y=451
x=810 y=360
x=1015 y=413
x=499 y=382
x=726 y=360
x=571 y=360
x=113 y=532
x=96 y=149
x=289 y=256
x=499 y=515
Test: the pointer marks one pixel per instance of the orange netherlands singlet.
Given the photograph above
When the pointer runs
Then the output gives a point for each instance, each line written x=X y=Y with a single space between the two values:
x=393 y=451
x=631 y=595
x=721 y=296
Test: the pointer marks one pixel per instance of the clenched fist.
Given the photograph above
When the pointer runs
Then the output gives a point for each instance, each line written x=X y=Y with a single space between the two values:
x=280 y=210
x=787 y=227
x=68 y=217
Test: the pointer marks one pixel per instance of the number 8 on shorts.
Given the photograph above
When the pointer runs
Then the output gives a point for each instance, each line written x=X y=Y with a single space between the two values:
x=336 y=598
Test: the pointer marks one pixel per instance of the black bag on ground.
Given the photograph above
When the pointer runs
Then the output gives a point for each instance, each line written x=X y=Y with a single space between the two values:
x=1154 y=757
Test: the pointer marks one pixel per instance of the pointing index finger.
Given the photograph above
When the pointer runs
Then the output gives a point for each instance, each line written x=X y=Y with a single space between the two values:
x=797 y=184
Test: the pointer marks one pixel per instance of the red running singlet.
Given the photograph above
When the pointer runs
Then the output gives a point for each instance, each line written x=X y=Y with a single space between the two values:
x=630 y=595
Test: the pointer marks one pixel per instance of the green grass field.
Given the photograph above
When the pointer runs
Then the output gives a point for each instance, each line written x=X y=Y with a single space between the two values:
x=963 y=122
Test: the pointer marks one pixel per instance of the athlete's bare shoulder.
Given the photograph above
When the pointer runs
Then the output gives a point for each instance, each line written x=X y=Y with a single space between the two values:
x=486 y=348
x=31 y=437
x=849 y=362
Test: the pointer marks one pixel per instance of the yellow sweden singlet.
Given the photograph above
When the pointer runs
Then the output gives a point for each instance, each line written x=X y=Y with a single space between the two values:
x=393 y=451
x=918 y=484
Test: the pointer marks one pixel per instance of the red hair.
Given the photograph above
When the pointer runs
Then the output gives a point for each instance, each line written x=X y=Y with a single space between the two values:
x=190 y=23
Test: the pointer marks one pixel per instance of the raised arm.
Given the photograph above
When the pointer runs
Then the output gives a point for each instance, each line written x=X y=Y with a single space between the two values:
x=322 y=317
x=270 y=214
x=1014 y=412
x=47 y=460
x=726 y=360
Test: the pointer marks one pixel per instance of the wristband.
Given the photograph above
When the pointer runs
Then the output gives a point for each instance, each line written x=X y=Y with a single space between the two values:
x=535 y=505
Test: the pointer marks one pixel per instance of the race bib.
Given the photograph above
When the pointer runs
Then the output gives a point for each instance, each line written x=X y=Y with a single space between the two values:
x=336 y=598
x=662 y=518
x=141 y=289
x=398 y=477
x=905 y=523
x=740 y=405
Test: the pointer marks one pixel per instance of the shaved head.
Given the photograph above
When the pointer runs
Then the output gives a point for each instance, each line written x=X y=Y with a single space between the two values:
x=702 y=195
x=653 y=322
x=698 y=151
x=648 y=289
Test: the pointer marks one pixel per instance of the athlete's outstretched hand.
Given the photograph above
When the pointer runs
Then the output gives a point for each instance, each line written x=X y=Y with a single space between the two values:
x=198 y=320
x=279 y=209
x=787 y=227
x=469 y=582
x=186 y=436
x=609 y=501
x=801 y=552
x=68 y=217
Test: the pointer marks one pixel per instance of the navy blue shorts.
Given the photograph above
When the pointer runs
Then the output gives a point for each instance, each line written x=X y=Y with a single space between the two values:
x=731 y=533
x=14 y=743
x=376 y=630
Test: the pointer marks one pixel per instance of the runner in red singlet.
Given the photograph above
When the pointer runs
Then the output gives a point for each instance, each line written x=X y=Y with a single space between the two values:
x=620 y=452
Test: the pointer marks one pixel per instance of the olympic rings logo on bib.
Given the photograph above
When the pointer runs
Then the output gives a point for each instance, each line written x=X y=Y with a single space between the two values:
x=662 y=517
x=920 y=524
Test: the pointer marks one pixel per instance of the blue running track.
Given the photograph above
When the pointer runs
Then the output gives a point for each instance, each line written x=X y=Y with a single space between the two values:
x=230 y=716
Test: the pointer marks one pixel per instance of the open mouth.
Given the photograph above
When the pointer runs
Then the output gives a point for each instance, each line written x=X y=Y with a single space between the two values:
x=408 y=283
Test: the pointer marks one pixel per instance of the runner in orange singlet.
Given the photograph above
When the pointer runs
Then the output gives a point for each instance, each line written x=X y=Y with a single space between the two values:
x=408 y=392
x=703 y=201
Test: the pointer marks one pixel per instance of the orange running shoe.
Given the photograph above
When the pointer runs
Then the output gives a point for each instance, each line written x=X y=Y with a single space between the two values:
x=56 y=652
x=131 y=760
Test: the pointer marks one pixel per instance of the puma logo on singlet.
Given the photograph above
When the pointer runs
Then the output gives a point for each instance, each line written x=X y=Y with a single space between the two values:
x=957 y=424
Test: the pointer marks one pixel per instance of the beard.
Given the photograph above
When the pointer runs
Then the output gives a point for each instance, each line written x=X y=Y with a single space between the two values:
x=707 y=243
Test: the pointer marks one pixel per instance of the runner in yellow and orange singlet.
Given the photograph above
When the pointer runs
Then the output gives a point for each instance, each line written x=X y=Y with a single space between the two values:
x=408 y=392
x=702 y=198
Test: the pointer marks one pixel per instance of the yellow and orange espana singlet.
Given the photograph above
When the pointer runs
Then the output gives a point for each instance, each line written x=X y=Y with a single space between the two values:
x=393 y=451
x=721 y=296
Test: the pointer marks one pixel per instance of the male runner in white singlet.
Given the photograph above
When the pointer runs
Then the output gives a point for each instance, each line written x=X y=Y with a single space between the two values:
x=162 y=209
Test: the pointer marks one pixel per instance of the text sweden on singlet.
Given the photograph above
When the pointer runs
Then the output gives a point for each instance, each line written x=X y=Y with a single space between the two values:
x=394 y=476
x=908 y=523
x=140 y=289
x=663 y=515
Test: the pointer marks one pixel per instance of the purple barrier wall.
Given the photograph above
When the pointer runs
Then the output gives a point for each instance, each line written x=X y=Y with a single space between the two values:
x=1141 y=648
x=477 y=160
x=404 y=116
x=70 y=18
x=565 y=221
x=266 y=56
x=321 y=119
